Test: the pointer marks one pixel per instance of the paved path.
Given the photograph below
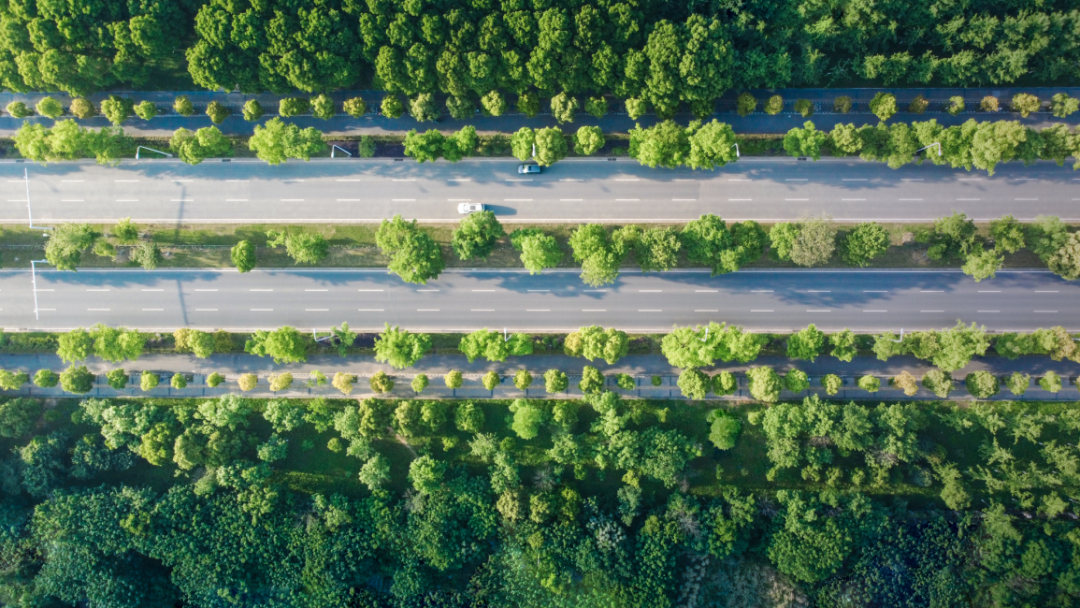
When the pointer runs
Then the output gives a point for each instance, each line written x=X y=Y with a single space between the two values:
x=467 y=300
x=374 y=124
x=642 y=367
x=357 y=191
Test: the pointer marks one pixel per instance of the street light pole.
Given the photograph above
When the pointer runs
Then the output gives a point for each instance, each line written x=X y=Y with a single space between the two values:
x=29 y=210
x=33 y=280
x=141 y=148
x=736 y=146
x=938 y=144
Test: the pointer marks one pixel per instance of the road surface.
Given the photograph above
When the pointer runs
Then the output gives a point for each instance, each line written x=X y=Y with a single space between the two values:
x=867 y=301
x=351 y=191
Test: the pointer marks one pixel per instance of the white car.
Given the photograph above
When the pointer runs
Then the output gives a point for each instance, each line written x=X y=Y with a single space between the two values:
x=468 y=208
x=524 y=169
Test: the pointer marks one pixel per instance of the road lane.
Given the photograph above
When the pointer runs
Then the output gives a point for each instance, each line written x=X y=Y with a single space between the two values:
x=571 y=191
x=468 y=300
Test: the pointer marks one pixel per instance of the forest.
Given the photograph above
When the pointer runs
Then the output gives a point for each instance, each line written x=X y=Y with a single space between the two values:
x=661 y=53
x=601 y=502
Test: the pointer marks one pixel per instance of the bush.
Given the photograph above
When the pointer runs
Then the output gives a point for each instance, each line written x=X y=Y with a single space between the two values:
x=355 y=107
x=182 y=106
x=491 y=380
x=380 y=382
x=989 y=104
x=982 y=384
x=253 y=110
x=453 y=379
x=145 y=110
x=1025 y=104
x=596 y=106
x=774 y=105
x=723 y=429
x=117 y=378
x=918 y=105
x=657 y=380
x=870 y=384
x=555 y=381
x=523 y=379
x=939 y=382
x=293 y=106
x=804 y=107
x=214 y=379
x=82 y=108
x=1018 y=383
x=956 y=105
x=796 y=381
x=247 y=382
x=419 y=383
x=625 y=382
x=694 y=384
x=323 y=107
x=725 y=383
x=18 y=109
x=217 y=112
x=178 y=381
x=1050 y=382
x=148 y=381
x=365 y=148
x=765 y=384
x=592 y=381
x=52 y=108
x=883 y=105
x=842 y=104
x=46 y=378
x=832 y=384
x=391 y=107
x=745 y=104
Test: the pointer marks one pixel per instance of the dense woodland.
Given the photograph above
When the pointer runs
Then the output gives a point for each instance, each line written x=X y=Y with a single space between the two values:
x=604 y=502
x=664 y=53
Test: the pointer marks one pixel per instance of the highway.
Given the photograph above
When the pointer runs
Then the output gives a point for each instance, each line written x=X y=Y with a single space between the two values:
x=554 y=301
x=353 y=191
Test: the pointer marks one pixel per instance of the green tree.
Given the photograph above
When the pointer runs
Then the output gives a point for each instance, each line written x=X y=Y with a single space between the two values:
x=17 y=416
x=599 y=253
x=414 y=255
x=49 y=108
x=588 y=140
x=126 y=231
x=117 y=344
x=293 y=106
x=883 y=105
x=774 y=105
x=67 y=243
x=694 y=384
x=426 y=146
x=1050 y=382
x=538 y=250
x=400 y=348
x=253 y=110
x=708 y=240
x=419 y=383
x=491 y=380
x=302 y=247
x=555 y=381
x=832 y=384
x=657 y=249
x=796 y=381
x=563 y=107
x=597 y=107
x=182 y=106
x=493 y=346
x=45 y=378
x=275 y=142
x=391 y=106
x=981 y=384
x=476 y=235
x=1065 y=262
x=764 y=383
x=117 y=109
x=806 y=141
x=74 y=345
x=522 y=143
x=1018 y=383
x=940 y=382
x=522 y=379
x=380 y=382
x=355 y=107
x=284 y=345
x=806 y=343
x=148 y=255
x=1008 y=234
x=665 y=144
x=550 y=146
x=982 y=264
x=528 y=103
x=12 y=381
x=452 y=379
x=528 y=417
x=217 y=112
x=1025 y=104
x=869 y=383
x=844 y=345
x=77 y=379
x=906 y=382
x=723 y=429
x=426 y=474
x=493 y=103
x=469 y=418
x=376 y=472
x=146 y=110
x=636 y=108
x=842 y=104
x=322 y=106
x=460 y=144
x=725 y=383
x=243 y=256
x=595 y=342
x=423 y=109
x=956 y=105
x=864 y=243
x=1061 y=105
x=745 y=104
x=592 y=381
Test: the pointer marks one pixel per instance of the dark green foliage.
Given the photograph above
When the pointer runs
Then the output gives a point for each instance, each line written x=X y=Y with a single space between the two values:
x=708 y=241
x=475 y=236
x=723 y=429
x=243 y=256
x=694 y=384
x=414 y=255
x=493 y=346
x=864 y=243
x=17 y=416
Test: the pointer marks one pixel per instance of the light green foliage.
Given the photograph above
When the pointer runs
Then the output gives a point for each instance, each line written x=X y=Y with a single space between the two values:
x=273 y=449
x=600 y=253
x=708 y=241
x=276 y=141
x=1061 y=105
x=18 y=109
x=391 y=106
x=938 y=381
x=475 y=236
x=809 y=242
x=380 y=382
x=883 y=105
x=843 y=345
x=918 y=105
x=253 y=110
x=796 y=381
x=493 y=103
x=592 y=381
x=424 y=147
x=148 y=255
x=521 y=143
x=280 y=382
x=842 y=104
x=414 y=255
x=145 y=109
x=376 y=472
x=765 y=384
x=74 y=345
x=669 y=145
x=469 y=417
x=694 y=384
x=126 y=231
x=595 y=342
x=981 y=384
x=293 y=106
x=322 y=106
x=625 y=382
x=460 y=144
x=400 y=348
x=49 y=107
x=452 y=379
x=690 y=347
x=906 y=382
x=355 y=107
x=1018 y=383
x=1025 y=104
x=832 y=384
x=596 y=107
x=528 y=103
x=1050 y=382
x=423 y=109
x=11 y=381
x=982 y=264
x=1008 y=234
x=555 y=381
x=774 y=105
x=45 y=378
x=563 y=107
x=956 y=105
x=247 y=382
x=538 y=250
x=551 y=146
x=285 y=345
x=493 y=346
x=117 y=378
x=116 y=344
x=148 y=381
x=1065 y=262
x=491 y=380
x=869 y=383
x=723 y=429
x=182 y=106
x=426 y=474
x=217 y=112
x=419 y=383
x=864 y=243
x=214 y=379
x=522 y=379
x=636 y=108
x=588 y=140
x=782 y=239
x=806 y=343
x=302 y=247
x=745 y=104
x=725 y=383
x=528 y=416
x=805 y=141
x=243 y=256
x=283 y=415
x=67 y=243
x=365 y=147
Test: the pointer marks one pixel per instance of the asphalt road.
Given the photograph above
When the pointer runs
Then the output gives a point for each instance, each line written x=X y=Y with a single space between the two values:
x=572 y=191
x=554 y=301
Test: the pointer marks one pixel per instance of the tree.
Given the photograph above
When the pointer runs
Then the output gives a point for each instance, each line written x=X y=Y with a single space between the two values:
x=796 y=381
x=1061 y=105
x=419 y=383
x=45 y=378
x=414 y=255
x=453 y=379
x=528 y=103
x=657 y=249
x=815 y=243
x=126 y=231
x=322 y=106
x=636 y=108
x=74 y=345
x=50 y=108
x=563 y=107
x=523 y=379
x=355 y=107
x=376 y=472
x=663 y=145
x=707 y=240
x=460 y=144
x=765 y=384
x=982 y=264
x=1018 y=383
x=391 y=106
x=380 y=382
x=12 y=381
x=344 y=383
x=302 y=247
x=592 y=381
x=597 y=107
x=522 y=143
x=745 y=104
x=17 y=416
x=280 y=382
x=555 y=381
x=76 y=379
x=491 y=380
x=148 y=255
x=195 y=147
x=864 y=243
x=18 y=109
x=843 y=345
x=711 y=145
x=400 y=348
x=599 y=253
x=869 y=383
x=1025 y=104
x=66 y=244
x=182 y=106
x=426 y=474
x=117 y=344
x=774 y=105
x=842 y=104
x=550 y=146
x=939 y=382
x=469 y=418
x=883 y=105
x=1065 y=262
x=148 y=381
x=806 y=141
x=217 y=112
x=956 y=105
x=538 y=250
x=214 y=379
x=527 y=418
x=906 y=382
x=252 y=110
x=588 y=140
x=493 y=103
x=145 y=110
x=426 y=146
x=423 y=109
x=694 y=384
x=831 y=383
x=475 y=236
x=981 y=384
x=1050 y=382
x=595 y=342
x=723 y=429
x=293 y=106
x=285 y=345
x=243 y=256
x=275 y=142
x=247 y=382
x=493 y=346
x=1008 y=234
x=806 y=343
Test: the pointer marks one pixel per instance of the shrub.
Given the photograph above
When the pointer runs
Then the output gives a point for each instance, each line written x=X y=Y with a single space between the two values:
x=796 y=381
x=344 y=382
x=82 y=108
x=832 y=384
x=989 y=104
x=725 y=383
x=323 y=107
x=1018 y=383
x=145 y=109
x=148 y=381
x=625 y=382
x=592 y=381
x=214 y=379
x=182 y=105
x=117 y=378
x=452 y=379
x=883 y=105
x=380 y=382
x=1050 y=382
x=391 y=107
x=280 y=382
x=745 y=104
x=938 y=381
x=45 y=378
x=657 y=380
x=956 y=105
x=723 y=429
x=365 y=148
x=355 y=107
x=253 y=110
x=842 y=104
x=870 y=384
x=804 y=107
x=419 y=383
x=982 y=384
x=1025 y=104
x=491 y=379
x=117 y=109
x=178 y=381
x=217 y=112
x=774 y=105
x=18 y=109
x=247 y=382
x=765 y=384
x=51 y=108
x=293 y=106
x=555 y=381
x=523 y=379
x=906 y=382
x=694 y=384
x=918 y=105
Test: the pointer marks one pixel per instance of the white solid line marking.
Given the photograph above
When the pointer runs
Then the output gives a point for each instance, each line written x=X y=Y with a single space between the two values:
x=911 y=179
x=381 y=290
x=593 y=310
x=92 y=290
x=16 y=200
x=684 y=180
x=818 y=310
x=427 y=310
x=931 y=311
x=650 y=310
x=482 y=310
x=517 y=200
x=183 y=180
x=570 y=200
x=739 y=199
x=350 y=180
x=262 y=310
x=46 y=290
x=987 y=311
x=970 y=179
x=1045 y=292
x=316 y=310
x=537 y=310
x=47 y=309
x=705 y=291
x=571 y=179
x=316 y=290
x=761 y=311
x=369 y=309
x=153 y=310
x=402 y=200
x=98 y=309
x=1045 y=311
x=151 y=290
x=706 y=310
x=875 y=311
